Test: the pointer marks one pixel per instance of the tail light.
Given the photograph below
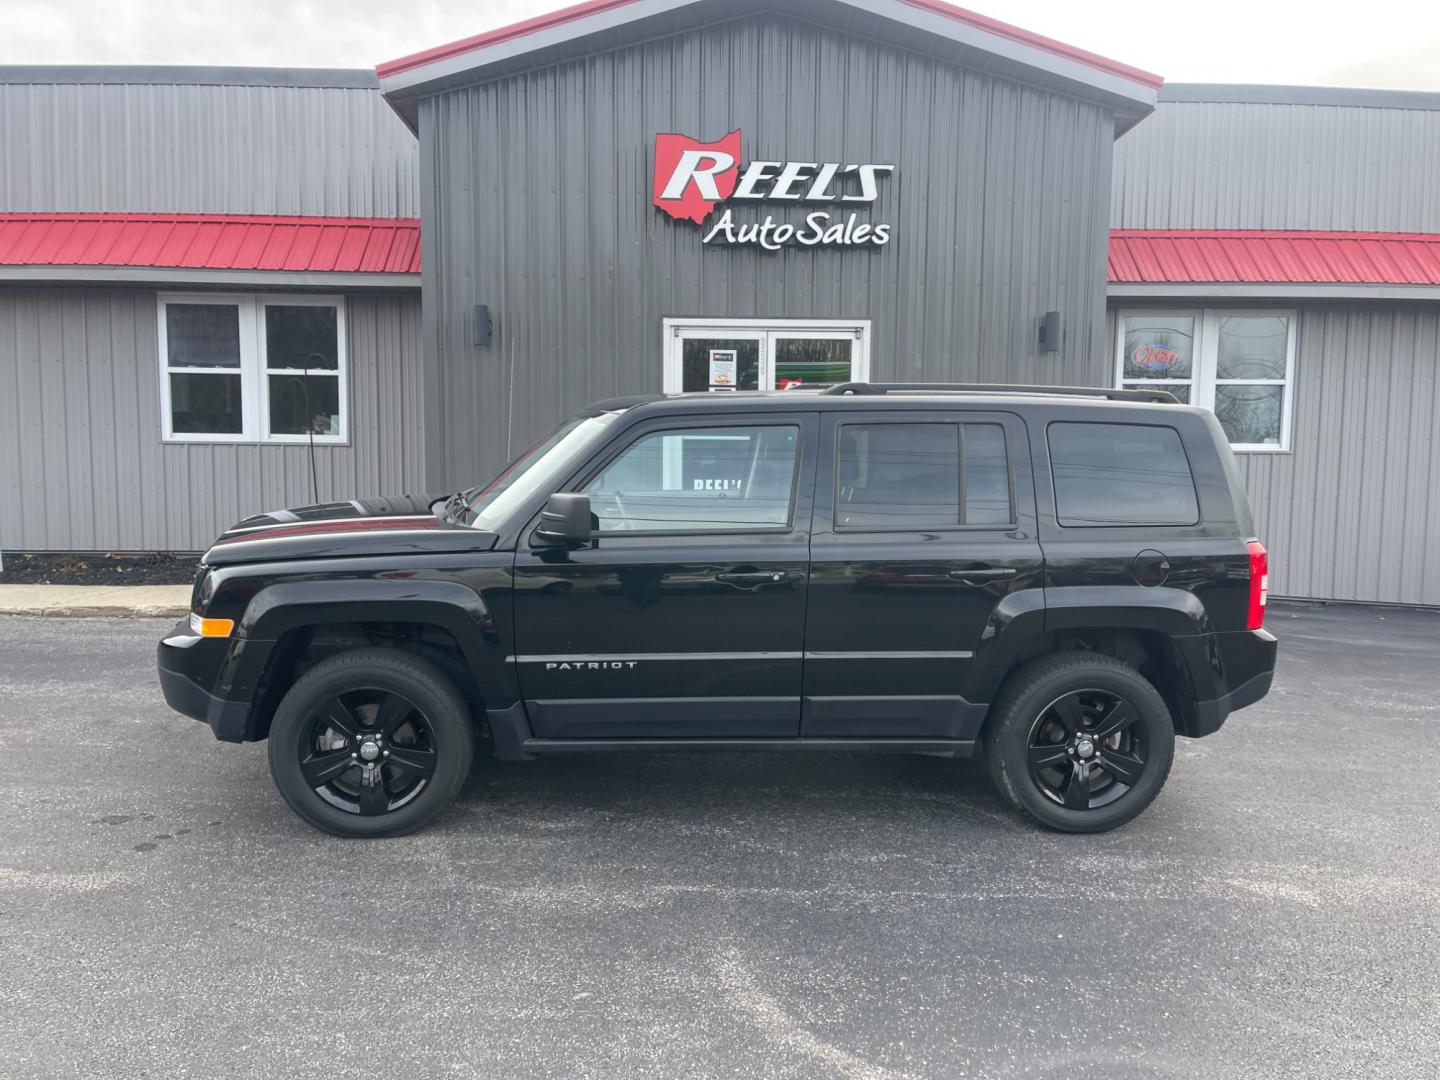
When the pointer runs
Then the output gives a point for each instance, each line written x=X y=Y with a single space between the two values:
x=1259 y=585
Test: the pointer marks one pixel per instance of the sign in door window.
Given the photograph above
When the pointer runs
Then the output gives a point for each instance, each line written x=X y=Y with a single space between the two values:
x=735 y=359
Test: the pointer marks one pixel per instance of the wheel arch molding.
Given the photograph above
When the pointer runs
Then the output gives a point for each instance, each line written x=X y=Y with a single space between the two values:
x=280 y=609
x=1190 y=667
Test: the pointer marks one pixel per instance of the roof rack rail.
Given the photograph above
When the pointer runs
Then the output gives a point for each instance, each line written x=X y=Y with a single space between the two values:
x=864 y=388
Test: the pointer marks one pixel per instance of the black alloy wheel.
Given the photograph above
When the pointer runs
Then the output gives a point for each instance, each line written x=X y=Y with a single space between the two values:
x=372 y=742
x=1086 y=750
x=1079 y=741
x=368 y=751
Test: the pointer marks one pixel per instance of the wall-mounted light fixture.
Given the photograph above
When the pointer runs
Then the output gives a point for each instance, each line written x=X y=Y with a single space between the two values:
x=1050 y=332
x=483 y=328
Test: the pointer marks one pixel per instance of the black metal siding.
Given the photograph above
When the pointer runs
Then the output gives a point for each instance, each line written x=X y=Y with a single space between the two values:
x=536 y=199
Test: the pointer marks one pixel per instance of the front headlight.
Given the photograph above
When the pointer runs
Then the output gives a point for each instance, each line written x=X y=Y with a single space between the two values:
x=203 y=589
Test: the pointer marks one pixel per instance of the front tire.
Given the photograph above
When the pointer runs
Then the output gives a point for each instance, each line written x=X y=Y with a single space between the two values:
x=372 y=742
x=1079 y=741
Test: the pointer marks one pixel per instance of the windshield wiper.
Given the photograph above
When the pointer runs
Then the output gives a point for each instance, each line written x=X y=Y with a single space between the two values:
x=453 y=507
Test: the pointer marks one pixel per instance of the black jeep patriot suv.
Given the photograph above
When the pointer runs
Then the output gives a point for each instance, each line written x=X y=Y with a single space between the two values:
x=1059 y=579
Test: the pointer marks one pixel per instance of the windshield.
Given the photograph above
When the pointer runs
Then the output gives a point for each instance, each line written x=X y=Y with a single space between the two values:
x=538 y=468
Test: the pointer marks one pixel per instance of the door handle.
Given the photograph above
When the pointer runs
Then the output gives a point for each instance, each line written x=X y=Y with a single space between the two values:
x=752 y=577
x=994 y=573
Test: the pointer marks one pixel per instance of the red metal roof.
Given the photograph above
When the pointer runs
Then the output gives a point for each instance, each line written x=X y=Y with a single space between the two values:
x=596 y=7
x=213 y=242
x=1264 y=256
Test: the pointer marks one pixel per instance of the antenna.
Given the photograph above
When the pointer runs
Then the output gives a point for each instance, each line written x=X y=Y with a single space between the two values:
x=310 y=425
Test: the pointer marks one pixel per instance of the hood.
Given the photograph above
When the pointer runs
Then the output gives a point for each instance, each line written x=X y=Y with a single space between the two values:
x=392 y=525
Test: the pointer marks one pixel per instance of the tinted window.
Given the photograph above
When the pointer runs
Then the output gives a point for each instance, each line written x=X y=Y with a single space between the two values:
x=898 y=476
x=987 y=476
x=908 y=476
x=699 y=480
x=1121 y=474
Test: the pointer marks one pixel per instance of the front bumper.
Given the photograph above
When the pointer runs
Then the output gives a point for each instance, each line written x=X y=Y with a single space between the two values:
x=189 y=666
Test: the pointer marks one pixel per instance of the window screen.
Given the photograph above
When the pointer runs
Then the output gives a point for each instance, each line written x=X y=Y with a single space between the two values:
x=1121 y=474
x=699 y=480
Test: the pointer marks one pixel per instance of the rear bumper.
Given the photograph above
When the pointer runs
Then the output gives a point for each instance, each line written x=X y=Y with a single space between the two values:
x=1246 y=664
x=187 y=665
x=1210 y=715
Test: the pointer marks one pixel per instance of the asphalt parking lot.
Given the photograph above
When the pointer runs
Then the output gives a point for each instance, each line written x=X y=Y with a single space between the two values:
x=1275 y=914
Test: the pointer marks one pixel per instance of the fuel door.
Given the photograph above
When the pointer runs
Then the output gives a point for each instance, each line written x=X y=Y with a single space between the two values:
x=1150 y=568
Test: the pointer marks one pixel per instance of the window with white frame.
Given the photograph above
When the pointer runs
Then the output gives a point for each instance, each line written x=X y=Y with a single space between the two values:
x=1238 y=363
x=252 y=368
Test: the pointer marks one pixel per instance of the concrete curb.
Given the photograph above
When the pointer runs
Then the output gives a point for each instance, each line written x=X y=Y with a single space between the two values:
x=96 y=601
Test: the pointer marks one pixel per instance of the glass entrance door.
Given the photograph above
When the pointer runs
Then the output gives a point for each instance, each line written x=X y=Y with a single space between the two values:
x=810 y=359
x=787 y=354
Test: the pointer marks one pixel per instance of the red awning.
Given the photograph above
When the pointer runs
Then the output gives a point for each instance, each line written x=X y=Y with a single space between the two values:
x=1263 y=256
x=213 y=242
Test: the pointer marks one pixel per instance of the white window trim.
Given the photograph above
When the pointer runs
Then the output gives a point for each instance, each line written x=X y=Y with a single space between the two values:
x=342 y=367
x=1205 y=359
x=765 y=331
x=248 y=420
x=254 y=376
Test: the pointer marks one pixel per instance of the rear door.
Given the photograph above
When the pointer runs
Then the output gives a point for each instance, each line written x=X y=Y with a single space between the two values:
x=924 y=522
x=686 y=617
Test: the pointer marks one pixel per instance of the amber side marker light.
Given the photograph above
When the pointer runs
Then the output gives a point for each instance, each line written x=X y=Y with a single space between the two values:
x=211 y=627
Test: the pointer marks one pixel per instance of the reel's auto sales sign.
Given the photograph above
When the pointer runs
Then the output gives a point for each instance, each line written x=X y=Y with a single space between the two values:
x=692 y=178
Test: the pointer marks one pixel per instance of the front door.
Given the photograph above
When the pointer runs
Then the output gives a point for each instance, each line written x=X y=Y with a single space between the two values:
x=787 y=354
x=924 y=522
x=686 y=619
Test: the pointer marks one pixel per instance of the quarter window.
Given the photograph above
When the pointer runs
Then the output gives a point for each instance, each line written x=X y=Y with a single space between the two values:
x=708 y=479
x=1121 y=474
x=916 y=476
x=1239 y=364
x=252 y=368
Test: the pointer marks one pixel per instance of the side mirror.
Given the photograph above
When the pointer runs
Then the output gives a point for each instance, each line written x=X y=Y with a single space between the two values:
x=565 y=521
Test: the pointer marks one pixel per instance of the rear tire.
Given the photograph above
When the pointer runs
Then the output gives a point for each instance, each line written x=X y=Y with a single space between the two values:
x=372 y=742
x=1079 y=741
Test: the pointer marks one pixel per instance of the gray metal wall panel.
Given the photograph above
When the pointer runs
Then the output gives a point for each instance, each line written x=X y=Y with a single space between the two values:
x=1353 y=512
x=330 y=151
x=1232 y=165
x=82 y=465
x=999 y=206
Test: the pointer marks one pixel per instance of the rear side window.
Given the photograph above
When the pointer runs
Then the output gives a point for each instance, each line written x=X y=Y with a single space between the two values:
x=909 y=476
x=1121 y=474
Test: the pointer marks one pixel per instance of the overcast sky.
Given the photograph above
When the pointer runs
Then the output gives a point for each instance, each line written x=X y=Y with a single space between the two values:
x=1381 y=43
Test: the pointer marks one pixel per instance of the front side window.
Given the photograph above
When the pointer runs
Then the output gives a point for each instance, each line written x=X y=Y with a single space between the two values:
x=1238 y=364
x=921 y=475
x=704 y=479
x=252 y=368
x=1121 y=474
